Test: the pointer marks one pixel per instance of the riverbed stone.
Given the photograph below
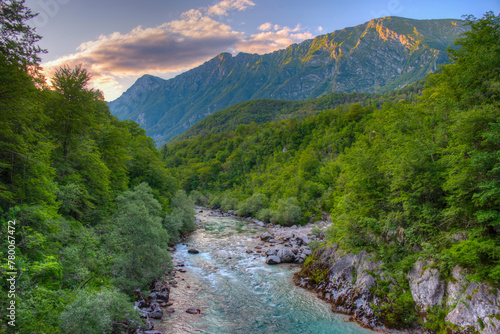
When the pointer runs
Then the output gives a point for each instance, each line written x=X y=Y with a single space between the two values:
x=273 y=259
x=266 y=236
x=157 y=313
x=286 y=255
x=193 y=310
x=193 y=251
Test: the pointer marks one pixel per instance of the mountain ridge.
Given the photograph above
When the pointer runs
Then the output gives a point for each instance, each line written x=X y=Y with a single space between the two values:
x=377 y=56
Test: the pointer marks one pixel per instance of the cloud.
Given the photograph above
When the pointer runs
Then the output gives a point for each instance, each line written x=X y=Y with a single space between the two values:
x=223 y=7
x=268 y=40
x=265 y=26
x=172 y=47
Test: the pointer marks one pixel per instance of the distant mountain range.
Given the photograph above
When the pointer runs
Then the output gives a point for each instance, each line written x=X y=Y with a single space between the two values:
x=378 y=56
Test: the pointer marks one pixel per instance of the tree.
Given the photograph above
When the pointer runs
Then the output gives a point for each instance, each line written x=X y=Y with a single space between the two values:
x=17 y=39
x=73 y=109
x=142 y=241
x=473 y=77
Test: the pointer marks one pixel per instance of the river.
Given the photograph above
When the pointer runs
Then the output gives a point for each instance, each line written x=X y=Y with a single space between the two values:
x=238 y=292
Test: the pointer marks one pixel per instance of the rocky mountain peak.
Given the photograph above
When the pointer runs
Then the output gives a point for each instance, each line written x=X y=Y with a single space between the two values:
x=377 y=56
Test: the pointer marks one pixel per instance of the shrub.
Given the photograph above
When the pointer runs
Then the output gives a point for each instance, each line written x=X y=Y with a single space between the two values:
x=265 y=215
x=288 y=212
x=252 y=205
x=96 y=312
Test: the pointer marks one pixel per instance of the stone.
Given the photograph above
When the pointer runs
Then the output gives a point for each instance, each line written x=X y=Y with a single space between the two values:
x=157 y=313
x=193 y=310
x=193 y=251
x=266 y=236
x=304 y=240
x=307 y=252
x=163 y=295
x=170 y=310
x=286 y=255
x=273 y=259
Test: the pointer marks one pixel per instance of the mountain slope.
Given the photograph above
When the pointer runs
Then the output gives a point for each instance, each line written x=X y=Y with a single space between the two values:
x=377 y=56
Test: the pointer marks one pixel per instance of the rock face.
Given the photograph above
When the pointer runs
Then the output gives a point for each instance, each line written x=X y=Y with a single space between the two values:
x=345 y=280
x=371 y=57
x=426 y=287
x=477 y=306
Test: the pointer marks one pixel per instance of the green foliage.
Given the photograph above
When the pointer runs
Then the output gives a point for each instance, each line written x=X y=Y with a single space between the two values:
x=65 y=166
x=17 y=39
x=181 y=220
x=288 y=212
x=143 y=241
x=252 y=205
x=39 y=310
x=397 y=309
x=315 y=244
x=97 y=312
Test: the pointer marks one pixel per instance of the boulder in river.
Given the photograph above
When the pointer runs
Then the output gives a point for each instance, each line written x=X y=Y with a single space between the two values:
x=273 y=259
x=193 y=310
x=286 y=255
x=193 y=251
x=266 y=236
x=162 y=295
x=157 y=313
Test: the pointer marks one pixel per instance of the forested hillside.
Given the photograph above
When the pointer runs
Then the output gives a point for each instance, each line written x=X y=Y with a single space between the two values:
x=87 y=207
x=268 y=110
x=408 y=179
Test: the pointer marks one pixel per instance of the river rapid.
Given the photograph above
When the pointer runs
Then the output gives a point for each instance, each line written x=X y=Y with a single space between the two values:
x=237 y=292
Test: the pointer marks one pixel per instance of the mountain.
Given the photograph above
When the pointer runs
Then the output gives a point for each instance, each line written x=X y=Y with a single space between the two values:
x=378 y=56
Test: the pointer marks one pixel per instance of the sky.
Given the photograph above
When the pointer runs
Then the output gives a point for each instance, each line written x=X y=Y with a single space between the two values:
x=118 y=41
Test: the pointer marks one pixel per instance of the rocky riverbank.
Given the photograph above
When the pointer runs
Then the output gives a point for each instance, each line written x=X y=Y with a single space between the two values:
x=348 y=281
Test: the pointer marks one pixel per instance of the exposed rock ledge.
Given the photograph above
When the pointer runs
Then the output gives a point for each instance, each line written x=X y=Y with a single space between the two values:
x=345 y=280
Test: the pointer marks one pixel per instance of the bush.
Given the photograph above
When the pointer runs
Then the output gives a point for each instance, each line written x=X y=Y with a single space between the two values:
x=96 y=312
x=315 y=244
x=252 y=205
x=288 y=212
x=228 y=203
x=183 y=207
x=198 y=198
x=265 y=215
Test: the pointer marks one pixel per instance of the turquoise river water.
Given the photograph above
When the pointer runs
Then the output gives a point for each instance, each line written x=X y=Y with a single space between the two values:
x=238 y=292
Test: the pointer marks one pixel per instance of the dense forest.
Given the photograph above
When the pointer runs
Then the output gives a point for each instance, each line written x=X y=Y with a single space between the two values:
x=87 y=207
x=406 y=179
